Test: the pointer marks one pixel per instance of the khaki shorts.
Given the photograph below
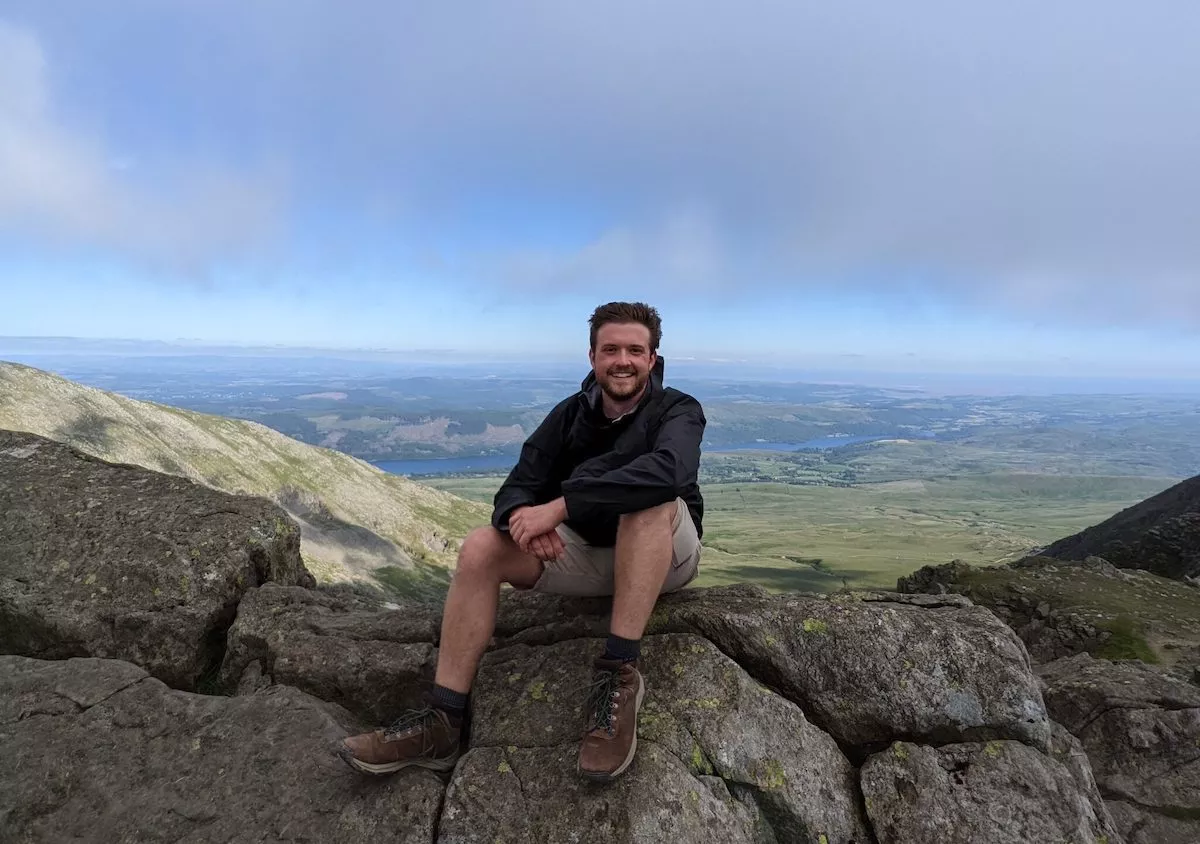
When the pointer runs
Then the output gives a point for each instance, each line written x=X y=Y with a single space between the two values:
x=587 y=570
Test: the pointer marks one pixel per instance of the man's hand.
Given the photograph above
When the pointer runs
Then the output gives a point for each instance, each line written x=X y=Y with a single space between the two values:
x=527 y=523
x=547 y=547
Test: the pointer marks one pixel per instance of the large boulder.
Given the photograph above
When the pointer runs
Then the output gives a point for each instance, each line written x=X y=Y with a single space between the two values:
x=1160 y=534
x=337 y=647
x=701 y=708
x=105 y=560
x=97 y=751
x=1001 y=792
x=515 y=795
x=1141 y=732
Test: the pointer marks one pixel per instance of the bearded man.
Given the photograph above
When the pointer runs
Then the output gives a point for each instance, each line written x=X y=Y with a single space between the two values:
x=603 y=501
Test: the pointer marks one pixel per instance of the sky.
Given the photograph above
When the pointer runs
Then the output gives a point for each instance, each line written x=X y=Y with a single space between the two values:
x=1000 y=185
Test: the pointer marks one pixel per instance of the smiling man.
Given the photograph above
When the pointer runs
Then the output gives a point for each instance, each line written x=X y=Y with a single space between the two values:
x=603 y=501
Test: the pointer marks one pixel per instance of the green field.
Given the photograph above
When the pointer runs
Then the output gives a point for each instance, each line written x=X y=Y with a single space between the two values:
x=821 y=538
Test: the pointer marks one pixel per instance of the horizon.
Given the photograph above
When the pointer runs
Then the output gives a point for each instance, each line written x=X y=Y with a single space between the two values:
x=71 y=356
x=990 y=188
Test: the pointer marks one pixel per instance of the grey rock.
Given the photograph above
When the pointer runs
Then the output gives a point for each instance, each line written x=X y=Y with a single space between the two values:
x=702 y=708
x=104 y=560
x=1001 y=792
x=941 y=669
x=1141 y=731
x=1141 y=827
x=96 y=751
x=341 y=649
x=516 y=795
x=937 y=674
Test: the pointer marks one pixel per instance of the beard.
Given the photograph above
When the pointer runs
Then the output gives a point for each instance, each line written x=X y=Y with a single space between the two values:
x=620 y=389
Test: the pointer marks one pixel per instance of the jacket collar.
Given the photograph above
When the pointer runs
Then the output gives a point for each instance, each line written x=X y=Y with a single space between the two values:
x=590 y=390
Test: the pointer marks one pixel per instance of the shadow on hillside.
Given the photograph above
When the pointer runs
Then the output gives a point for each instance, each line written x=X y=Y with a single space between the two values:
x=90 y=429
x=783 y=579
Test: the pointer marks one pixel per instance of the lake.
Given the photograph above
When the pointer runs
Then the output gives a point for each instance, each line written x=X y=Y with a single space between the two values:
x=491 y=463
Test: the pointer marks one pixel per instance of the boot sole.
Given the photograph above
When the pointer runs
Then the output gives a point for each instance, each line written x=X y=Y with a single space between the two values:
x=601 y=776
x=446 y=764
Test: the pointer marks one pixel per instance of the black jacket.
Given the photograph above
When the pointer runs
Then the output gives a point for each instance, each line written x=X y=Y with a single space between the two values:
x=605 y=468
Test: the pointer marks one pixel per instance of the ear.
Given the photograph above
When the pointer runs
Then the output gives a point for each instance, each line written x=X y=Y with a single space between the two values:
x=592 y=357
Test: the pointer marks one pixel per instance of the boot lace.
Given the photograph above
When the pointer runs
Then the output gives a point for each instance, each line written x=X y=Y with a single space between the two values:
x=602 y=701
x=414 y=720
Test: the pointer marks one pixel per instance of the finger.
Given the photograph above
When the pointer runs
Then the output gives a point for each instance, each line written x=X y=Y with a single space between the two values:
x=544 y=552
x=559 y=547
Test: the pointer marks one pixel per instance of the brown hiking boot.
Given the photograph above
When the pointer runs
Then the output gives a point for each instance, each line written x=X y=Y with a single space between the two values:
x=423 y=738
x=613 y=702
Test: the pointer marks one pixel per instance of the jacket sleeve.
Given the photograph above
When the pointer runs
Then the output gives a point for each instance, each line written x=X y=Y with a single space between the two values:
x=529 y=481
x=599 y=489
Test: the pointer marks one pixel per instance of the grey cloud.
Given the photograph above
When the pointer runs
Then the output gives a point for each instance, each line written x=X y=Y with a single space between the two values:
x=1022 y=155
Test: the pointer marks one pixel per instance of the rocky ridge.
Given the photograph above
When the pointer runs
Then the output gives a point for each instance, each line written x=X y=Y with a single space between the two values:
x=354 y=519
x=855 y=717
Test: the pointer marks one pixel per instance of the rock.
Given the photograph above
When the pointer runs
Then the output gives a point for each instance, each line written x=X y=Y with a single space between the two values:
x=516 y=795
x=1140 y=730
x=1141 y=827
x=992 y=793
x=1160 y=534
x=937 y=673
x=97 y=751
x=702 y=708
x=105 y=560
x=374 y=662
x=940 y=670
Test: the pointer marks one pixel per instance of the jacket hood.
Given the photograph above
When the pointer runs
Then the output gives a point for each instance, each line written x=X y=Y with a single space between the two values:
x=591 y=388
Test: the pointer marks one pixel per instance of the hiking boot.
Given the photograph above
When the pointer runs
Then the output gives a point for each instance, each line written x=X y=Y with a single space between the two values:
x=610 y=737
x=422 y=738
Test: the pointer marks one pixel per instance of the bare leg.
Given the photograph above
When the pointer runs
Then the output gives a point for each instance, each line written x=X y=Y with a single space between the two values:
x=488 y=558
x=642 y=559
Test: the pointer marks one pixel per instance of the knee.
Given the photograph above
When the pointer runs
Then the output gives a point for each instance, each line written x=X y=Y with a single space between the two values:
x=660 y=517
x=479 y=553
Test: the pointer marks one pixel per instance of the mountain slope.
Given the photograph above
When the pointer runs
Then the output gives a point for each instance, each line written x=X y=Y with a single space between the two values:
x=1161 y=534
x=355 y=519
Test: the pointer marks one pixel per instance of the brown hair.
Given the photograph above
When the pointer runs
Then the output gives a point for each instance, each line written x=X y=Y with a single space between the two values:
x=627 y=312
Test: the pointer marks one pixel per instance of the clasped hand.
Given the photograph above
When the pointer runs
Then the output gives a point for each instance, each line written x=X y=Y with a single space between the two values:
x=533 y=529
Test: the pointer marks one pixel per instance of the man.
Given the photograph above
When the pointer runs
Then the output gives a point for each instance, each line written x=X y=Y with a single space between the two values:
x=604 y=500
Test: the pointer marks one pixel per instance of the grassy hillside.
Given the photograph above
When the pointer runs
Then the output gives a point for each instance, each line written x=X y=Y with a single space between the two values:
x=819 y=538
x=357 y=522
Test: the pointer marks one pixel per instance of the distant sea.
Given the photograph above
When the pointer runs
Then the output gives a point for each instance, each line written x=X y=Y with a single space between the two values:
x=491 y=463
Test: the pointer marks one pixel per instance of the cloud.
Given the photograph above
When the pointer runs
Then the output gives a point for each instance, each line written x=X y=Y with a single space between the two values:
x=1021 y=156
x=64 y=187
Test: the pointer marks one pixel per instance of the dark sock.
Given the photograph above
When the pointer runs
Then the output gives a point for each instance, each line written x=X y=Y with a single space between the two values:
x=449 y=701
x=624 y=650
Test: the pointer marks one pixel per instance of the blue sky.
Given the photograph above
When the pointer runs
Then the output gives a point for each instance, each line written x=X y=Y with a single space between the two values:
x=1002 y=186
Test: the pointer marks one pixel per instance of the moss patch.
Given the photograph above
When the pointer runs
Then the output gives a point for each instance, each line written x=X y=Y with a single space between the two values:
x=815 y=625
x=1127 y=641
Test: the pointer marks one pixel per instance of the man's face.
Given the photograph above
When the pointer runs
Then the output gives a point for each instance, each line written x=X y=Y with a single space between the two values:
x=622 y=359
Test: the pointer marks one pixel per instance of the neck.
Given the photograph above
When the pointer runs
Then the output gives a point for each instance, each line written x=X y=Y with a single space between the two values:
x=613 y=409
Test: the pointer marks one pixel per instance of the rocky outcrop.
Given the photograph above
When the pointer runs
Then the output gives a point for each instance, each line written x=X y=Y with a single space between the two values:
x=1160 y=534
x=337 y=647
x=1001 y=792
x=846 y=719
x=104 y=560
x=97 y=751
x=767 y=718
x=1062 y=608
x=1141 y=732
